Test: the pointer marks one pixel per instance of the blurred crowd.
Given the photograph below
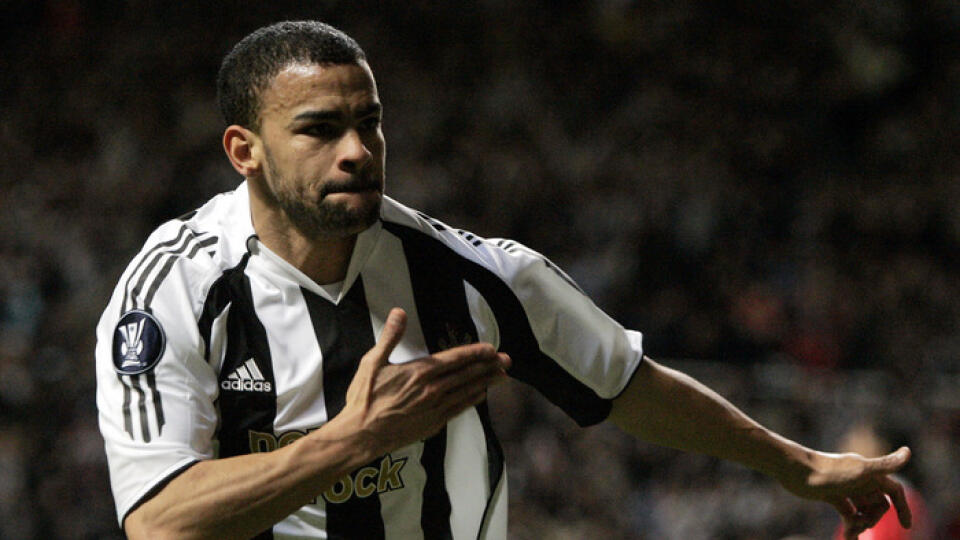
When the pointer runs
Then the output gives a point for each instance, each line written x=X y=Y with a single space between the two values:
x=768 y=191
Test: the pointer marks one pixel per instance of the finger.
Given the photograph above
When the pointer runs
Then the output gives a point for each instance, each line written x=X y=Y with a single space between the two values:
x=393 y=329
x=480 y=376
x=845 y=508
x=848 y=512
x=895 y=491
x=872 y=508
x=853 y=526
x=889 y=463
x=458 y=357
x=463 y=401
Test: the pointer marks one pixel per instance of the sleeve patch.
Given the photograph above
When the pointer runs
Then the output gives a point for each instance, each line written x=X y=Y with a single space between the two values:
x=138 y=343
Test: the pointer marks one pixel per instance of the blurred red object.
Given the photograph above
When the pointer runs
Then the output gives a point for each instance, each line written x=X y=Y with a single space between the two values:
x=888 y=528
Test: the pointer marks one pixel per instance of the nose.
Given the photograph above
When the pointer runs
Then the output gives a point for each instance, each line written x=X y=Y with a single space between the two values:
x=353 y=154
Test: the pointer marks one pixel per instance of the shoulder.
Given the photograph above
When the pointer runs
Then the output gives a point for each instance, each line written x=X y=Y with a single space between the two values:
x=509 y=259
x=184 y=256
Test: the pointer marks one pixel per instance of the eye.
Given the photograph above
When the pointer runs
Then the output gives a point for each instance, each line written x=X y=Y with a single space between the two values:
x=369 y=124
x=323 y=130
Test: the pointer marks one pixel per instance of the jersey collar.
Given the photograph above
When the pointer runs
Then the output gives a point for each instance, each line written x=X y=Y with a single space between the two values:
x=364 y=247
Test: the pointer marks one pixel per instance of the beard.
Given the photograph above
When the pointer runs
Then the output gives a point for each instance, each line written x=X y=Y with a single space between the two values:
x=323 y=217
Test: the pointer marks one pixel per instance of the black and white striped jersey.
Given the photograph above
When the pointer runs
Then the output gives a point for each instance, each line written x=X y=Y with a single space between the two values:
x=213 y=346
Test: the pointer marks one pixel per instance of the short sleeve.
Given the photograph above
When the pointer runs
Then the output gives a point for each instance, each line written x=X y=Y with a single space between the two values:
x=572 y=352
x=155 y=389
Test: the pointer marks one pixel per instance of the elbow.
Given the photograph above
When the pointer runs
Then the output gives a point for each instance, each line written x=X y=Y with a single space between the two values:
x=139 y=525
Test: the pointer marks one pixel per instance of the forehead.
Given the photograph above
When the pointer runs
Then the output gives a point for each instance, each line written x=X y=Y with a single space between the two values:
x=312 y=86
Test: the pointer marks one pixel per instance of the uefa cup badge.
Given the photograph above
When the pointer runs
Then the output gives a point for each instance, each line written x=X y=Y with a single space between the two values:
x=138 y=343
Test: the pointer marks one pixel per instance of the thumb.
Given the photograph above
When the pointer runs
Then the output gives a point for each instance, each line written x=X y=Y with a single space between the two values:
x=393 y=329
x=890 y=463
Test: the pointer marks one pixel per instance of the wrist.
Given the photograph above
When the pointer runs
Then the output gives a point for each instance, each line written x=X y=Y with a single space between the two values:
x=794 y=465
x=348 y=430
x=786 y=461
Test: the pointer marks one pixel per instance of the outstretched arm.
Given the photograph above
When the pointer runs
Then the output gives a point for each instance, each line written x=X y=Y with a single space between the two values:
x=666 y=407
x=388 y=406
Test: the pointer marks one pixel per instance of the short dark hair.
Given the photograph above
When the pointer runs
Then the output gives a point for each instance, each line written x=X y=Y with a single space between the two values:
x=252 y=64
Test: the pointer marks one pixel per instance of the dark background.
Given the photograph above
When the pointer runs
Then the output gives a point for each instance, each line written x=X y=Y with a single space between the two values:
x=767 y=190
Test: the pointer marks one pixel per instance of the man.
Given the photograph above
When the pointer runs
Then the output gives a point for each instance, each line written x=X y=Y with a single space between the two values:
x=243 y=391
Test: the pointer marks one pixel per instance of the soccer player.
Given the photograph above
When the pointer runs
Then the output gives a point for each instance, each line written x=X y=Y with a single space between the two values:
x=306 y=357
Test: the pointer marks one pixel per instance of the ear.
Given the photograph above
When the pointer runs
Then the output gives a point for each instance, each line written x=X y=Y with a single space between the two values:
x=242 y=147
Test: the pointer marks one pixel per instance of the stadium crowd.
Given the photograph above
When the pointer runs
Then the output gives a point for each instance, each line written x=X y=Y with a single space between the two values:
x=768 y=193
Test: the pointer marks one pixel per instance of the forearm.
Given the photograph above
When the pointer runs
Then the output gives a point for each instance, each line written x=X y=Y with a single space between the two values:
x=241 y=496
x=669 y=408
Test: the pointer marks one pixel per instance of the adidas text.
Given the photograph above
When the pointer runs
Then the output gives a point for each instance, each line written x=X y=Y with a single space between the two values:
x=246 y=385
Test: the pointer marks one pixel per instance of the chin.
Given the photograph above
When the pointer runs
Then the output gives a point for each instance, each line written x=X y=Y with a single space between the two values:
x=347 y=220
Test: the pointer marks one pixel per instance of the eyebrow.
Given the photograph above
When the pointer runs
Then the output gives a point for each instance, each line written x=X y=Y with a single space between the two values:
x=321 y=115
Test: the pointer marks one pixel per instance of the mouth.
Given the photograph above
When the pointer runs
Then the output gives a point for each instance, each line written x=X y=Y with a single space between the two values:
x=360 y=185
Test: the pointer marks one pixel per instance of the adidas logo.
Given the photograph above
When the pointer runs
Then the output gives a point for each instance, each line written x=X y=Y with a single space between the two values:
x=246 y=378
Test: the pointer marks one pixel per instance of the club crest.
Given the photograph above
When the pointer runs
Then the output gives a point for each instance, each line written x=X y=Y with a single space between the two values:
x=137 y=343
x=454 y=336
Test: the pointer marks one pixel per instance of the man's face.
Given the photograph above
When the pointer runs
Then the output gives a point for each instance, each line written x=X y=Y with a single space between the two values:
x=324 y=148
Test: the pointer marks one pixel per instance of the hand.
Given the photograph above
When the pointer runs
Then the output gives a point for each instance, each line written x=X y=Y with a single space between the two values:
x=860 y=488
x=396 y=404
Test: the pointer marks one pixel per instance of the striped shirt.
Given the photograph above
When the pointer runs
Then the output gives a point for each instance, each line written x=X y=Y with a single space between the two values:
x=213 y=346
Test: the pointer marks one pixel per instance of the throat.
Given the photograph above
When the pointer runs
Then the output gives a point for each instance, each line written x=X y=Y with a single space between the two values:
x=325 y=261
x=323 y=258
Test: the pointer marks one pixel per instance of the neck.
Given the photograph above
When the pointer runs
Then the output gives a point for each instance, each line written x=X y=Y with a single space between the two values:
x=324 y=259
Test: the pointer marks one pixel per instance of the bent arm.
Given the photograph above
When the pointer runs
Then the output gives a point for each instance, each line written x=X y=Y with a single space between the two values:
x=388 y=406
x=241 y=496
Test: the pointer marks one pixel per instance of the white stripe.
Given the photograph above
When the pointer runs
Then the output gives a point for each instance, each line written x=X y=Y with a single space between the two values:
x=482 y=316
x=218 y=339
x=294 y=351
x=308 y=522
x=387 y=286
x=297 y=372
x=466 y=473
x=138 y=394
x=251 y=365
x=401 y=509
x=495 y=524
x=242 y=373
x=153 y=421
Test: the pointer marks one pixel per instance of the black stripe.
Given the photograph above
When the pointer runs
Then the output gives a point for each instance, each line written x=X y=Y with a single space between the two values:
x=517 y=339
x=344 y=333
x=433 y=222
x=126 y=286
x=148 y=300
x=435 y=515
x=242 y=411
x=218 y=298
x=157 y=257
x=563 y=275
x=127 y=418
x=444 y=314
x=157 y=402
